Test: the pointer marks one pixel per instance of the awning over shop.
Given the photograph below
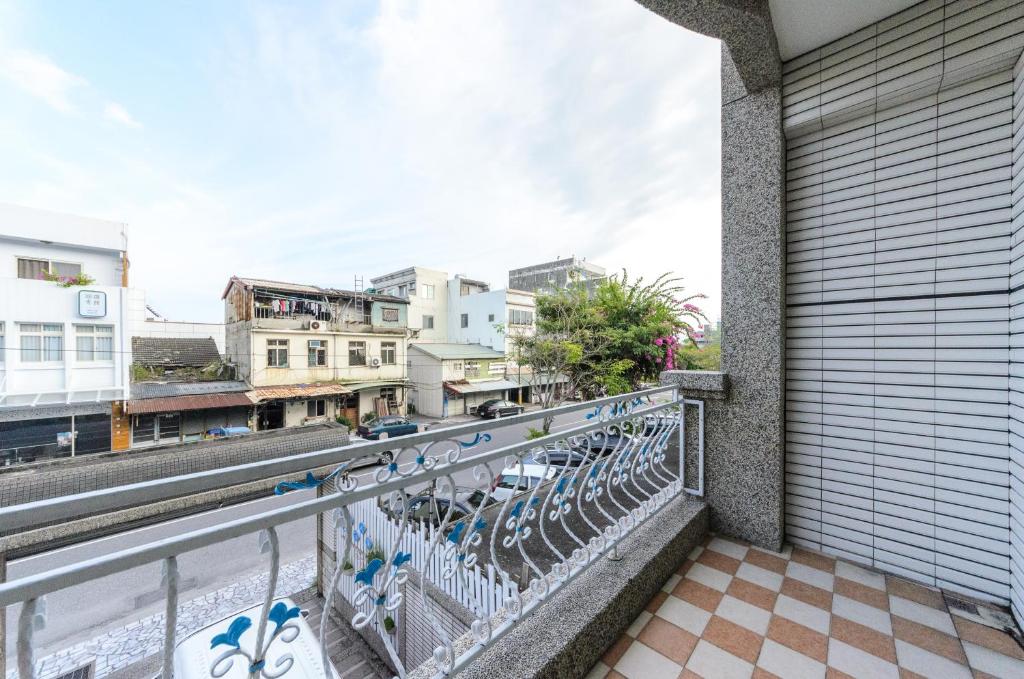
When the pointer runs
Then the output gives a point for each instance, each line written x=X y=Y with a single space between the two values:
x=17 y=413
x=261 y=394
x=177 y=403
x=527 y=379
x=360 y=386
x=480 y=387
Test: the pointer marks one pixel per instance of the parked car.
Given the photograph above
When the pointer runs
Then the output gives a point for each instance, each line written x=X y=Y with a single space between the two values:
x=192 y=654
x=224 y=432
x=497 y=407
x=390 y=425
x=558 y=455
x=510 y=482
x=433 y=509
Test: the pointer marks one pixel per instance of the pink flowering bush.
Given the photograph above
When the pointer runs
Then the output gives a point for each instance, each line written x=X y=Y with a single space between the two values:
x=67 y=281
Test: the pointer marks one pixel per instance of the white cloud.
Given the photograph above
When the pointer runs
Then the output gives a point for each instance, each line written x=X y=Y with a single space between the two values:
x=37 y=75
x=118 y=114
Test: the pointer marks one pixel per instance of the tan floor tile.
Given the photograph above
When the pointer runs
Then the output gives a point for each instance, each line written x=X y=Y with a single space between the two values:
x=914 y=592
x=719 y=561
x=799 y=638
x=907 y=674
x=656 y=601
x=733 y=639
x=809 y=594
x=984 y=675
x=689 y=674
x=617 y=650
x=813 y=559
x=685 y=567
x=833 y=673
x=928 y=638
x=612 y=674
x=987 y=637
x=752 y=594
x=862 y=637
x=698 y=594
x=672 y=642
x=760 y=673
x=766 y=561
x=862 y=593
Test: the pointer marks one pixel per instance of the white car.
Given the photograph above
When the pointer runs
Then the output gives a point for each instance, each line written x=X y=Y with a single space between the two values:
x=510 y=482
x=195 y=655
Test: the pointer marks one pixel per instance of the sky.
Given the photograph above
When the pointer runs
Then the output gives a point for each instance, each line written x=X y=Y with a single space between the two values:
x=323 y=141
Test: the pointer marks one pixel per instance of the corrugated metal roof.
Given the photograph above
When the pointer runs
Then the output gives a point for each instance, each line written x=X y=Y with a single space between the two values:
x=190 y=352
x=176 y=403
x=479 y=387
x=310 y=289
x=527 y=378
x=260 y=394
x=165 y=389
x=447 y=351
x=359 y=386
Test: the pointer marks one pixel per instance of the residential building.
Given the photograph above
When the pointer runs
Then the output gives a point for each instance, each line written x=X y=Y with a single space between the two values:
x=477 y=314
x=181 y=389
x=556 y=275
x=64 y=347
x=453 y=379
x=146 y=322
x=312 y=354
x=425 y=290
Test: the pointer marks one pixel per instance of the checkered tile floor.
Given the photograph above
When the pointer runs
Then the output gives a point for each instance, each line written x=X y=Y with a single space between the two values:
x=738 y=611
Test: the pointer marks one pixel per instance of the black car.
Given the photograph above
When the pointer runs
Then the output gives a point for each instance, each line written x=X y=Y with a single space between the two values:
x=496 y=407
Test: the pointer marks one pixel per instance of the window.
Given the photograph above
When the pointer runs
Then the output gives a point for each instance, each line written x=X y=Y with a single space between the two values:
x=388 y=353
x=317 y=353
x=520 y=317
x=34 y=268
x=389 y=314
x=357 y=353
x=428 y=291
x=464 y=320
x=277 y=353
x=403 y=290
x=472 y=368
x=457 y=365
x=94 y=342
x=41 y=342
x=316 y=408
x=490 y=318
x=390 y=394
x=428 y=322
x=464 y=290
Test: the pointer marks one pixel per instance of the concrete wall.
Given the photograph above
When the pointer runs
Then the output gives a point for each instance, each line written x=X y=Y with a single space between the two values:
x=1016 y=397
x=419 y=303
x=485 y=312
x=425 y=376
x=899 y=144
x=32 y=301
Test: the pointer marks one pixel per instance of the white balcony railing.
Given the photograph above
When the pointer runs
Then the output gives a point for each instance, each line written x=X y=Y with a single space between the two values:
x=599 y=480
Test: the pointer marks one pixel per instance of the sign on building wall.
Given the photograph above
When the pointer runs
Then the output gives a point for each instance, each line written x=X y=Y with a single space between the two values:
x=92 y=304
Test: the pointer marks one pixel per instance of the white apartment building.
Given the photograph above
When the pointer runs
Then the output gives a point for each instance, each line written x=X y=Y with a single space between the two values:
x=492 y=318
x=64 y=345
x=425 y=290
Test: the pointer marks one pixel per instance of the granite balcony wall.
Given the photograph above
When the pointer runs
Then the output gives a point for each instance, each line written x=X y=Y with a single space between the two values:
x=899 y=153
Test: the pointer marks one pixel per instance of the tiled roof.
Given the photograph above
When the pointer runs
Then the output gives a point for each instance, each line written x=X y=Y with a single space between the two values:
x=175 y=352
x=176 y=403
x=446 y=351
x=167 y=389
x=299 y=391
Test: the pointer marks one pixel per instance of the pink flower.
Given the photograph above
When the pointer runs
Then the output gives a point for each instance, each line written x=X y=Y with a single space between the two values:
x=659 y=341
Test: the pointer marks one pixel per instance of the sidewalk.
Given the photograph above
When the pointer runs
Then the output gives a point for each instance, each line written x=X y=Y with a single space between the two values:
x=429 y=423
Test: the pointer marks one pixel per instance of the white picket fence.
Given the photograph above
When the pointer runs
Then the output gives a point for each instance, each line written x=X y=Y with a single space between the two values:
x=483 y=587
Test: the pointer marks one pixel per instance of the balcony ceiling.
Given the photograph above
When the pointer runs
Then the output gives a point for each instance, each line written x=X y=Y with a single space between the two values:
x=802 y=25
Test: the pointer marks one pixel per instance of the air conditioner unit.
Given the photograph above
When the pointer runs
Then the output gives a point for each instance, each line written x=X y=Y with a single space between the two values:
x=313 y=325
x=374 y=362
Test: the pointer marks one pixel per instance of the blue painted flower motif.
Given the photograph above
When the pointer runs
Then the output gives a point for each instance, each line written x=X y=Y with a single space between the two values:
x=367 y=575
x=358 y=532
x=400 y=559
x=235 y=631
x=310 y=482
x=479 y=438
x=280 y=613
x=479 y=525
x=369 y=543
x=517 y=510
x=455 y=537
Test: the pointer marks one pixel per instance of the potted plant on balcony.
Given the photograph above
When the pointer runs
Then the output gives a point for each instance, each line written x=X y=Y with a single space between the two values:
x=67 y=281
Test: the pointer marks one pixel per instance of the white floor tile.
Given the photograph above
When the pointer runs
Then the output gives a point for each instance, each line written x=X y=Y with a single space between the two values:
x=760 y=576
x=988 y=661
x=598 y=671
x=639 y=623
x=713 y=578
x=812 y=576
x=787 y=663
x=861 y=575
x=869 y=616
x=671 y=583
x=928 y=664
x=743 y=614
x=858 y=663
x=787 y=551
x=805 y=614
x=728 y=548
x=684 y=614
x=710 y=661
x=642 y=662
x=695 y=553
x=926 y=615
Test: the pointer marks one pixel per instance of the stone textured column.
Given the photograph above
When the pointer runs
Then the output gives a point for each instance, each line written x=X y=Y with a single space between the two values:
x=744 y=446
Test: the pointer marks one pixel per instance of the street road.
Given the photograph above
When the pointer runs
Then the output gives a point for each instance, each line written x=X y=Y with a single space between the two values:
x=82 y=612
